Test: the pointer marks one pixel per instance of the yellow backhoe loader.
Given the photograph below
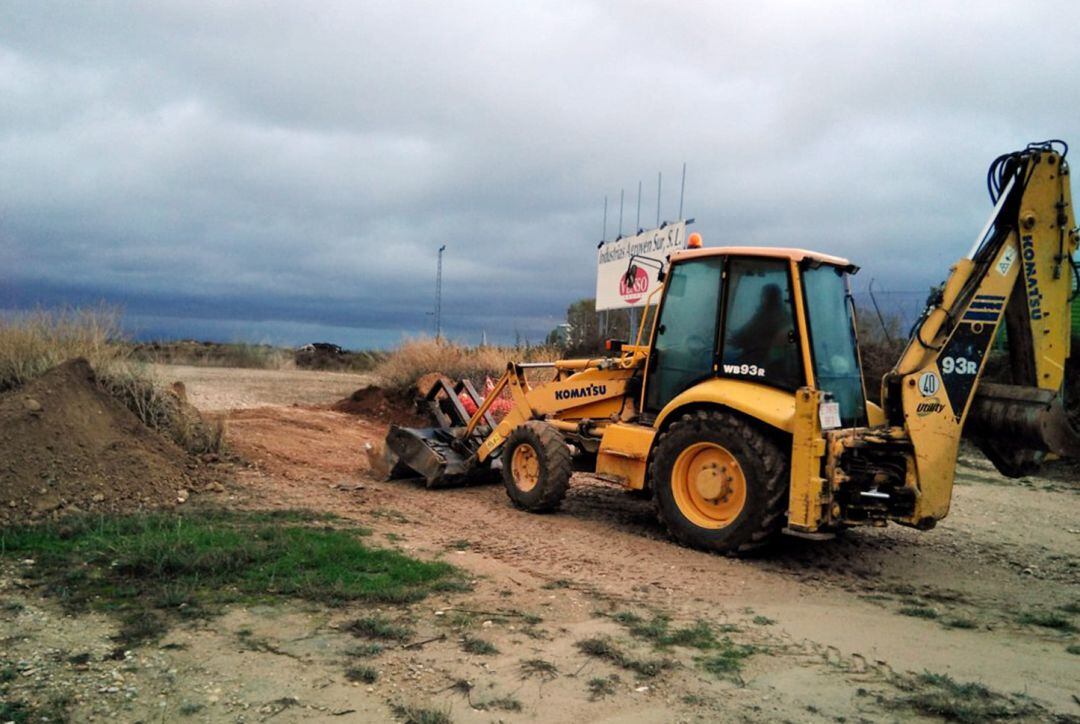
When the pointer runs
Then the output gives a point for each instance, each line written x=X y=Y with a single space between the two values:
x=742 y=408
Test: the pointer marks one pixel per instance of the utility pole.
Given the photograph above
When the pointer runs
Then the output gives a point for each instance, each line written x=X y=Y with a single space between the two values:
x=438 y=296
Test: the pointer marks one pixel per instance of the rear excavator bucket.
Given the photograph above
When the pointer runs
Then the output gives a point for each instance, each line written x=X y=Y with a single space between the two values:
x=1015 y=426
x=442 y=455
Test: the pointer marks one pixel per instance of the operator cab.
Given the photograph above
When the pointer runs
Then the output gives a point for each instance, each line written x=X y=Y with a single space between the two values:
x=743 y=313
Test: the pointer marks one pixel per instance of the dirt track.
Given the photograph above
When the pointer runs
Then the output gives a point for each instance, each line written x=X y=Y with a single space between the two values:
x=1005 y=549
x=825 y=618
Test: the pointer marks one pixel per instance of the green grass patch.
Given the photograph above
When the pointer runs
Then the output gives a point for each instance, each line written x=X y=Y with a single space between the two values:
x=658 y=630
x=557 y=584
x=499 y=703
x=54 y=710
x=362 y=674
x=599 y=686
x=364 y=651
x=538 y=667
x=410 y=714
x=940 y=695
x=962 y=623
x=149 y=569
x=378 y=627
x=1073 y=649
x=1046 y=619
x=1071 y=607
x=473 y=645
x=763 y=621
x=727 y=661
x=602 y=647
x=918 y=612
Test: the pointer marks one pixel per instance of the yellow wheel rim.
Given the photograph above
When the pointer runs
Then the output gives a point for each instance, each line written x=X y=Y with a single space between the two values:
x=709 y=485
x=525 y=465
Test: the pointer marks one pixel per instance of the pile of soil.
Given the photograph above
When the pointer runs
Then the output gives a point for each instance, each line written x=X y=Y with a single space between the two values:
x=376 y=403
x=69 y=447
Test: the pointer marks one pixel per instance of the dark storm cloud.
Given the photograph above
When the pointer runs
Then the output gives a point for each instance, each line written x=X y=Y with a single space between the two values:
x=301 y=163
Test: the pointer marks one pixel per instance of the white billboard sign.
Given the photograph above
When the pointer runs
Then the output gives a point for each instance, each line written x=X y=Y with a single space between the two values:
x=612 y=259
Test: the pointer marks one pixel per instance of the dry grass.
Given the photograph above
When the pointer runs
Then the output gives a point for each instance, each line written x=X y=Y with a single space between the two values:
x=213 y=354
x=416 y=358
x=33 y=344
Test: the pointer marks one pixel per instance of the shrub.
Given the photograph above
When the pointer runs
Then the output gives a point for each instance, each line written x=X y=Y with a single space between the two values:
x=33 y=344
x=415 y=358
x=214 y=354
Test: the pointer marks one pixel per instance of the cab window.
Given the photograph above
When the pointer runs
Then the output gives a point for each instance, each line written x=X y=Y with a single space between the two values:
x=832 y=341
x=685 y=343
x=760 y=341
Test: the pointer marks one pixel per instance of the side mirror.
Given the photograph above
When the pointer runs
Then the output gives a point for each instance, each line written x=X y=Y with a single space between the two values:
x=614 y=346
x=631 y=275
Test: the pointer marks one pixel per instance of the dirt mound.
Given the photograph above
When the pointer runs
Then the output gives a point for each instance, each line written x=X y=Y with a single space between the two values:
x=376 y=403
x=68 y=446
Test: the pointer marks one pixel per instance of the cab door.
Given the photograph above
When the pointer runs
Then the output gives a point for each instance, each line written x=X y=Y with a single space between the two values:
x=684 y=347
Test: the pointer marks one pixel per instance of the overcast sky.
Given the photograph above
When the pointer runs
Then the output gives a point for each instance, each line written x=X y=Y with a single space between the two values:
x=286 y=171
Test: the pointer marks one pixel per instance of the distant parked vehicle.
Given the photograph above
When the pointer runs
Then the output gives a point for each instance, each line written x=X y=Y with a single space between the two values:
x=322 y=347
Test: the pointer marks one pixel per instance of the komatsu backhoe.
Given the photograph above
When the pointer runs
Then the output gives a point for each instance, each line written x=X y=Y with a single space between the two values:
x=742 y=407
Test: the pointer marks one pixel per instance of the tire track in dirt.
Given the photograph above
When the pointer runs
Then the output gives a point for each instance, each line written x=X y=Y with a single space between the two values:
x=609 y=542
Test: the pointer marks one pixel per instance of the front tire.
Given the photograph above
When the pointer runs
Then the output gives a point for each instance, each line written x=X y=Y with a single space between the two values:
x=721 y=482
x=536 y=467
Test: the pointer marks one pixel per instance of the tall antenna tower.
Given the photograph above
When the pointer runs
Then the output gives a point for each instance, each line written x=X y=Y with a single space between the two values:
x=438 y=296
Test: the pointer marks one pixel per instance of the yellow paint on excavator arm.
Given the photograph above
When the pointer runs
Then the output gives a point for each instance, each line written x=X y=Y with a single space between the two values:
x=594 y=392
x=1047 y=242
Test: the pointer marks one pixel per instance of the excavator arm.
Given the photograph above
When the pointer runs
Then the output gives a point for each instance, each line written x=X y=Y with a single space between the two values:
x=1019 y=273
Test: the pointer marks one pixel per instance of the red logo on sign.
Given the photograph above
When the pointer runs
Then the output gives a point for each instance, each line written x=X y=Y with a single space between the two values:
x=631 y=293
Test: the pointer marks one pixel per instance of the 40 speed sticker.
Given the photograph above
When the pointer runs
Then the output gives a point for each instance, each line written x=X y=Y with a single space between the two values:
x=928 y=384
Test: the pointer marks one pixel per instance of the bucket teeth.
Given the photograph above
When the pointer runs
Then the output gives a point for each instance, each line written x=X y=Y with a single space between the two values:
x=429 y=452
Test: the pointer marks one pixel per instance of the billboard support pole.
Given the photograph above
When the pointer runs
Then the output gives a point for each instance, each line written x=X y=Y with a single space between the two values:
x=603 y=238
x=637 y=224
x=682 y=189
x=620 y=210
x=659 y=184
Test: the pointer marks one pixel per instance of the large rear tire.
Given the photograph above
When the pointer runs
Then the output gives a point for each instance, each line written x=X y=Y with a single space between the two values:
x=536 y=467
x=721 y=482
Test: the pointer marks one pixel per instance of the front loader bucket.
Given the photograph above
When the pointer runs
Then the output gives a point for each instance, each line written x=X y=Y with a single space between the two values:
x=429 y=452
x=1015 y=426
